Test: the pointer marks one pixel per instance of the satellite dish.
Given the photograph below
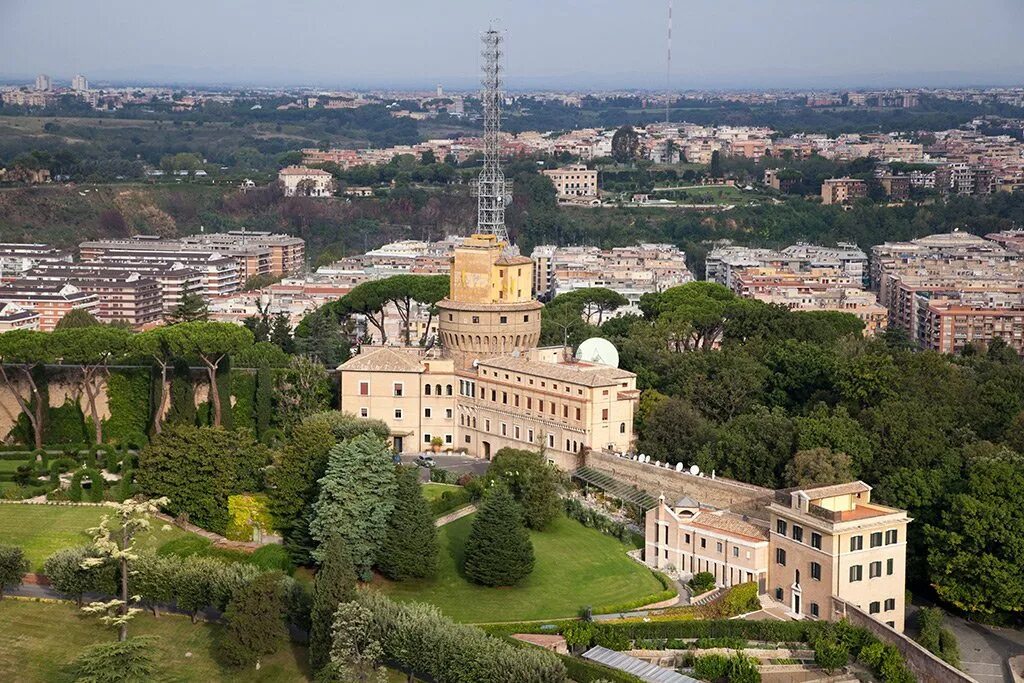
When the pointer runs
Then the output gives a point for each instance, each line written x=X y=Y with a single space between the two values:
x=679 y=467
x=694 y=470
x=476 y=363
x=599 y=351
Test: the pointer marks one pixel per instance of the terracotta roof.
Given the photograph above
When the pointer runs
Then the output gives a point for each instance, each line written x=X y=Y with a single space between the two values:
x=302 y=170
x=384 y=359
x=512 y=261
x=836 y=490
x=586 y=374
x=730 y=524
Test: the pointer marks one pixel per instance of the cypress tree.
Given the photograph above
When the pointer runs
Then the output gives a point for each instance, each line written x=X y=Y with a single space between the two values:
x=264 y=399
x=498 y=550
x=410 y=547
x=182 y=410
x=335 y=583
x=255 y=620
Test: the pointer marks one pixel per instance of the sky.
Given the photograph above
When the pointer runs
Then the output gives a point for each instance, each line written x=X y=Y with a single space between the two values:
x=551 y=44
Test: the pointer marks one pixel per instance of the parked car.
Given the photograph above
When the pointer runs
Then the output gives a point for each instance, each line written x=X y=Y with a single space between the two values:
x=425 y=461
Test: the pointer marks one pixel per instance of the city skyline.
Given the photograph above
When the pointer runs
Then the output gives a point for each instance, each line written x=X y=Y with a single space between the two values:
x=792 y=44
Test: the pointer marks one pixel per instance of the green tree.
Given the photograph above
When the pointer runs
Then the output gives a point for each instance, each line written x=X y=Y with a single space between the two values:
x=128 y=661
x=592 y=303
x=191 y=308
x=625 y=145
x=715 y=167
x=830 y=655
x=356 y=498
x=532 y=482
x=113 y=542
x=255 y=622
x=20 y=352
x=264 y=399
x=155 y=344
x=334 y=584
x=200 y=467
x=13 y=566
x=211 y=343
x=818 y=467
x=91 y=350
x=77 y=318
x=674 y=432
x=409 y=550
x=498 y=550
x=304 y=388
x=155 y=579
x=355 y=653
x=66 y=574
x=281 y=333
x=321 y=337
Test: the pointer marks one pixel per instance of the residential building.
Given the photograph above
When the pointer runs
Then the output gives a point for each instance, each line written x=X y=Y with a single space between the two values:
x=299 y=181
x=781 y=179
x=14 y=317
x=121 y=295
x=949 y=323
x=843 y=190
x=964 y=179
x=689 y=538
x=51 y=301
x=833 y=542
x=80 y=83
x=44 y=82
x=575 y=183
x=262 y=253
x=896 y=187
x=16 y=259
x=723 y=262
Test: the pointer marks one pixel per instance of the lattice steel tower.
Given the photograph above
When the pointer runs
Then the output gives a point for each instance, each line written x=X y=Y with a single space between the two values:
x=493 y=192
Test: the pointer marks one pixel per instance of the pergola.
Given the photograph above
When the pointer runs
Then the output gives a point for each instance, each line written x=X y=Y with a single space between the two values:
x=627 y=493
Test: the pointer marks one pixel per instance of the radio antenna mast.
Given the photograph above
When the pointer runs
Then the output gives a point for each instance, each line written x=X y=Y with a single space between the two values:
x=493 y=192
x=668 y=66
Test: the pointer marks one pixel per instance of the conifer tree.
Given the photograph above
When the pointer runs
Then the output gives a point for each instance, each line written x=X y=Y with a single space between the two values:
x=410 y=547
x=335 y=583
x=255 y=621
x=498 y=550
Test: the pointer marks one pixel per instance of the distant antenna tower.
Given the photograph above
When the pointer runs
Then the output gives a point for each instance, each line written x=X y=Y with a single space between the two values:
x=493 y=192
x=668 y=66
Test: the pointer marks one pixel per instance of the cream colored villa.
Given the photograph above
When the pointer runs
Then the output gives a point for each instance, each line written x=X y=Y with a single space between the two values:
x=489 y=386
x=820 y=543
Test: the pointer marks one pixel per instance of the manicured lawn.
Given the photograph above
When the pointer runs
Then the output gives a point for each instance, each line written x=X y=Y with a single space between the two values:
x=43 y=529
x=575 y=567
x=433 y=491
x=42 y=639
x=12 y=465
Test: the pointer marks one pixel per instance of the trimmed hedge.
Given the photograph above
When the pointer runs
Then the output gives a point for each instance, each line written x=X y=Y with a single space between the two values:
x=450 y=500
x=129 y=393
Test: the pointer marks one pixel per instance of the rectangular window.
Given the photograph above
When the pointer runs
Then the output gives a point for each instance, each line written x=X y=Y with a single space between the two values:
x=487 y=425
x=798 y=533
x=890 y=604
x=780 y=556
x=815 y=571
x=468 y=438
x=856 y=543
x=816 y=540
x=735 y=551
x=540 y=405
x=426 y=438
x=476 y=319
x=529 y=403
x=551 y=440
x=516 y=431
x=578 y=413
x=516 y=400
x=718 y=547
x=529 y=435
x=398 y=413
x=426 y=412
x=856 y=573
x=448 y=438
x=889 y=566
x=874 y=608
x=604 y=414
x=448 y=413
x=504 y=429
x=892 y=536
x=874 y=570
x=876 y=539
x=398 y=388
x=703 y=543
x=504 y=397
x=503 y=319
x=814 y=609
x=687 y=537
x=565 y=412
x=364 y=388
x=494 y=396
x=781 y=527
x=364 y=412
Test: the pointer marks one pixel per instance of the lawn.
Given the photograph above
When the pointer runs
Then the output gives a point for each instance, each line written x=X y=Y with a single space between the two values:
x=433 y=490
x=12 y=465
x=42 y=639
x=575 y=567
x=41 y=530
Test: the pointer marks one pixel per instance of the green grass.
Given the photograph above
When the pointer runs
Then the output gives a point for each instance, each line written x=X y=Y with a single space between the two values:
x=12 y=465
x=42 y=639
x=41 y=530
x=575 y=567
x=433 y=490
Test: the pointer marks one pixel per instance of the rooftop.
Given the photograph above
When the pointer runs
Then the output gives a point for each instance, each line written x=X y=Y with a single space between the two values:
x=384 y=359
x=586 y=374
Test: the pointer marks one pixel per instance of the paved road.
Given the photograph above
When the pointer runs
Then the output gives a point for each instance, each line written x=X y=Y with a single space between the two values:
x=984 y=650
x=456 y=464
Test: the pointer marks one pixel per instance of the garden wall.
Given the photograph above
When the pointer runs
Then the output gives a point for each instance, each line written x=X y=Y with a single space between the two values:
x=720 y=493
x=923 y=664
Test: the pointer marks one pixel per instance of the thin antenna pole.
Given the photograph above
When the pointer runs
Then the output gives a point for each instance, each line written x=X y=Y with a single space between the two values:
x=493 y=192
x=668 y=66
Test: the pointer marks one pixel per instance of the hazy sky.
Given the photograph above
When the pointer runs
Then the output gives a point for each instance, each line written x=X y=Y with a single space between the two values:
x=550 y=43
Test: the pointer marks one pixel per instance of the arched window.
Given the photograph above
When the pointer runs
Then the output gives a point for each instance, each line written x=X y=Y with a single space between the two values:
x=622 y=428
x=437 y=390
x=448 y=390
x=426 y=389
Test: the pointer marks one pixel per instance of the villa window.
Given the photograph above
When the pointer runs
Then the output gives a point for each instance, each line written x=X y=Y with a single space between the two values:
x=398 y=389
x=856 y=573
x=426 y=412
x=891 y=536
x=876 y=539
x=856 y=543
x=816 y=540
x=889 y=566
x=364 y=412
x=398 y=413
x=874 y=608
x=798 y=534
x=780 y=556
x=874 y=570
x=781 y=527
x=890 y=604
x=815 y=571
x=364 y=388
x=814 y=609
x=426 y=438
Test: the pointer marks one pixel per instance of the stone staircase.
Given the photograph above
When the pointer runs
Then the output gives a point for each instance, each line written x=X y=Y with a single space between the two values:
x=709 y=597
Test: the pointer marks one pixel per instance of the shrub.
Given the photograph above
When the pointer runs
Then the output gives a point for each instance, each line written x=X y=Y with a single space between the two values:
x=710 y=667
x=96 y=484
x=255 y=621
x=830 y=655
x=579 y=634
x=116 y=662
x=593 y=519
x=441 y=476
x=742 y=669
x=498 y=551
x=702 y=582
x=668 y=591
x=738 y=600
x=409 y=549
x=13 y=566
x=25 y=474
x=450 y=500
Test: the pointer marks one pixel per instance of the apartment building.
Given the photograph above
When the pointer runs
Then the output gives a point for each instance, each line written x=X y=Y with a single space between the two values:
x=219 y=275
x=723 y=262
x=17 y=259
x=964 y=179
x=832 y=541
x=262 y=253
x=688 y=537
x=14 y=317
x=896 y=187
x=575 y=183
x=843 y=190
x=781 y=179
x=121 y=295
x=299 y=181
x=51 y=301
x=947 y=248
x=949 y=323
x=630 y=271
